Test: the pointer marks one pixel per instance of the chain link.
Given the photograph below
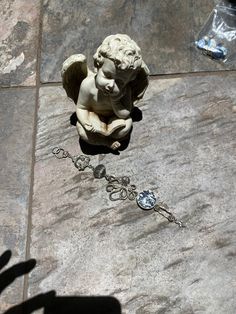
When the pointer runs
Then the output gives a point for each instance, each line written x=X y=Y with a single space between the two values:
x=168 y=215
x=60 y=153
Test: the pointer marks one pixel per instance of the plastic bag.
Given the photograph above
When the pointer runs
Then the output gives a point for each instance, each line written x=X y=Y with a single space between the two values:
x=217 y=38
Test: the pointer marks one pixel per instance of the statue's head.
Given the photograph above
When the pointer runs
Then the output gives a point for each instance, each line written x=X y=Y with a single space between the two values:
x=118 y=60
x=120 y=49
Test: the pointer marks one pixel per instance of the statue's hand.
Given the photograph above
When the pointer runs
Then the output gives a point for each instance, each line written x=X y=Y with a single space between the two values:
x=90 y=128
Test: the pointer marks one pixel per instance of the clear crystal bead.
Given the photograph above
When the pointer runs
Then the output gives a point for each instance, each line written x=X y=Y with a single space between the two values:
x=146 y=199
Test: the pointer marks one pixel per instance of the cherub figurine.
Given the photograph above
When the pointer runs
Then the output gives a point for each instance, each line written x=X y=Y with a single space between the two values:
x=104 y=99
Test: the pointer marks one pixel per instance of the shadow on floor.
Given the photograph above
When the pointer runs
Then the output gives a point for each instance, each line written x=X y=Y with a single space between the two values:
x=49 y=302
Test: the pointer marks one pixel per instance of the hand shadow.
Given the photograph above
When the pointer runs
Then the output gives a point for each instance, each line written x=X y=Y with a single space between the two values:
x=51 y=303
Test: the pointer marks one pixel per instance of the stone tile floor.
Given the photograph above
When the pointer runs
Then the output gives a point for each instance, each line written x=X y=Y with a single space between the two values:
x=184 y=147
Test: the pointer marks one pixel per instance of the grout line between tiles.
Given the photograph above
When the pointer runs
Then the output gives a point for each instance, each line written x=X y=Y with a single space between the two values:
x=166 y=76
x=17 y=87
x=34 y=135
x=152 y=77
x=192 y=74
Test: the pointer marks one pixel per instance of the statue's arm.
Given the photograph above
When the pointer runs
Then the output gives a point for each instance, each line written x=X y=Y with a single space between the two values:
x=82 y=107
x=123 y=107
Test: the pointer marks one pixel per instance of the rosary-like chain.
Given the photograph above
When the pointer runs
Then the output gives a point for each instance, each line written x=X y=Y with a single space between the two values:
x=119 y=188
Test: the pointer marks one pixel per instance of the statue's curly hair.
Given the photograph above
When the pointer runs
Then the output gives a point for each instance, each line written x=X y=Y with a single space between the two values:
x=122 y=50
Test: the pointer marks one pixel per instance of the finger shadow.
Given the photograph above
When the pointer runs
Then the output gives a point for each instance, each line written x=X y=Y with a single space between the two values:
x=4 y=258
x=9 y=275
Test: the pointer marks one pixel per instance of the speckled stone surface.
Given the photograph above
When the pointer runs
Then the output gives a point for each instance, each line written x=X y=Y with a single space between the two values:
x=165 y=31
x=184 y=147
x=17 y=121
x=19 y=25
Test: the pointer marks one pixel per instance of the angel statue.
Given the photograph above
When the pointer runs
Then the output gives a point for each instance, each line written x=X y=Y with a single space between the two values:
x=104 y=99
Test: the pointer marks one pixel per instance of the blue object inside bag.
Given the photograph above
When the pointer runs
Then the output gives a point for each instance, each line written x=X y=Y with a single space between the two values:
x=211 y=48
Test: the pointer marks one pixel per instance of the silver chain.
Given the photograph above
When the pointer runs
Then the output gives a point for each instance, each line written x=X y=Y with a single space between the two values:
x=119 y=188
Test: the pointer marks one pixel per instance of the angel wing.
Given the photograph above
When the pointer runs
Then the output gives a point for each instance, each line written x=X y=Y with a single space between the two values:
x=140 y=83
x=74 y=71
